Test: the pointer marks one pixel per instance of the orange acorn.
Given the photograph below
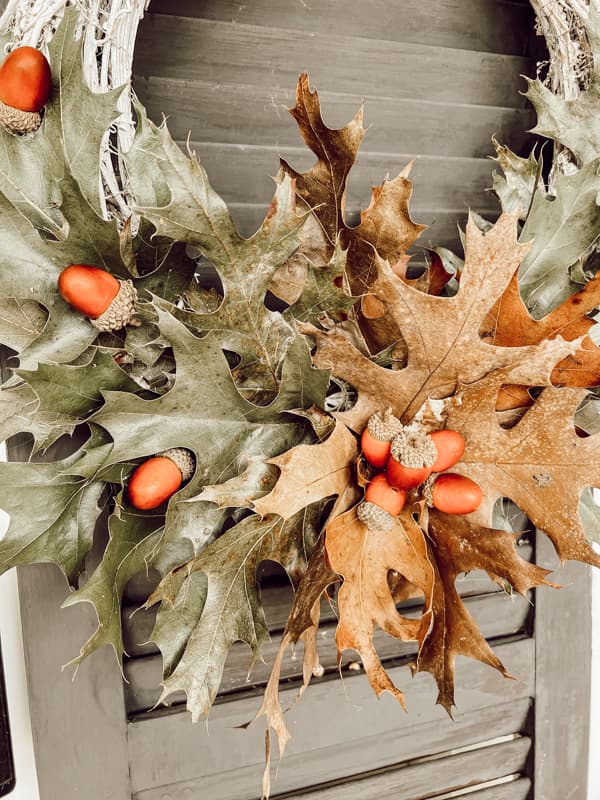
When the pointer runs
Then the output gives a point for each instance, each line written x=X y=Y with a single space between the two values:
x=376 y=438
x=406 y=477
x=450 y=446
x=455 y=494
x=25 y=86
x=158 y=478
x=412 y=456
x=381 y=493
x=108 y=302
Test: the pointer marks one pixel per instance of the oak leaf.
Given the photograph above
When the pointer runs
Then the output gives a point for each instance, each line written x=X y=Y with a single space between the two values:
x=445 y=348
x=364 y=557
x=458 y=545
x=385 y=229
x=509 y=323
x=312 y=472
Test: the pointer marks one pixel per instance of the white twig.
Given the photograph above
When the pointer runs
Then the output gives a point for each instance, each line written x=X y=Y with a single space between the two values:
x=108 y=28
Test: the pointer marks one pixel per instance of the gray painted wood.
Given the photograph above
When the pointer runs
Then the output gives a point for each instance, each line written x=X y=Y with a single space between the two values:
x=496 y=615
x=515 y=790
x=434 y=776
x=256 y=115
x=563 y=676
x=223 y=52
x=242 y=173
x=79 y=725
x=482 y=25
x=337 y=729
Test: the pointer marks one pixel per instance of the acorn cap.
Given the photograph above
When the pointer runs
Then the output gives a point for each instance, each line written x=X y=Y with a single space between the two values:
x=120 y=312
x=374 y=517
x=384 y=426
x=17 y=121
x=183 y=459
x=414 y=449
x=427 y=490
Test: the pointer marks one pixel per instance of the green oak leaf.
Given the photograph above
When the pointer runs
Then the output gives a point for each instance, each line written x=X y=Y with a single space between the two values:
x=323 y=292
x=520 y=179
x=562 y=229
x=21 y=322
x=205 y=413
x=572 y=123
x=76 y=391
x=20 y=413
x=198 y=216
x=133 y=541
x=228 y=608
x=52 y=516
x=589 y=511
x=31 y=168
x=177 y=620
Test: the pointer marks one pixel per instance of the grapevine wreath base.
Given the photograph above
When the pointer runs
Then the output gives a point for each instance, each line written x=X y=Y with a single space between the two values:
x=276 y=403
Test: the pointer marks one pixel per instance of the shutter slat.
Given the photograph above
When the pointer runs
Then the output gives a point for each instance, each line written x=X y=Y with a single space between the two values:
x=496 y=26
x=418 y=781
x=222 y=113
x=277 y=601
x=230 y=53
x=338 y=729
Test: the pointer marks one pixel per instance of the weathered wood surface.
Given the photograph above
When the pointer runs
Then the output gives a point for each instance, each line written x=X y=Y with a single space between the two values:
x=434 y=776
x=223 y=52
x=563 y=638
x=255 y=115
x=79 y=725
x=514 y=790
x=338 y=729
x=242 y=173
x=496 y=26
x=496 y=615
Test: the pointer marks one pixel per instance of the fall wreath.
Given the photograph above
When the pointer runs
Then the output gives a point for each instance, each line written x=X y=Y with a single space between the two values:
x=329 y=407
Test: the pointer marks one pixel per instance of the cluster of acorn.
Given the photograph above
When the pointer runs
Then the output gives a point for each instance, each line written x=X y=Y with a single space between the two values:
x=411 y=458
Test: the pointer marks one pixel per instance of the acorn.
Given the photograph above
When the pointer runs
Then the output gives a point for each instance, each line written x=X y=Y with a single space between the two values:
x=450 y=446
x=25 y=86
x=380 y=492
x=455 y=494
x=412 y=456
x=377 y=437
x=108 y=302
x=158 y=478
x=374 y=517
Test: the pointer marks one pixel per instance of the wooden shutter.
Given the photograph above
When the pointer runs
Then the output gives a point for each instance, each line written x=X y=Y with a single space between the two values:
x=438 y=80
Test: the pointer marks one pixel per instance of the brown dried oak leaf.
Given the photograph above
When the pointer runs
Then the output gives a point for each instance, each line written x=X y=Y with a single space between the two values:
x=509 y=323
x=444 y=345
x=386 y=228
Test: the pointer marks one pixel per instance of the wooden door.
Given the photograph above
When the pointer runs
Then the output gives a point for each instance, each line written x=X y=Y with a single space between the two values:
x=439 y=79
